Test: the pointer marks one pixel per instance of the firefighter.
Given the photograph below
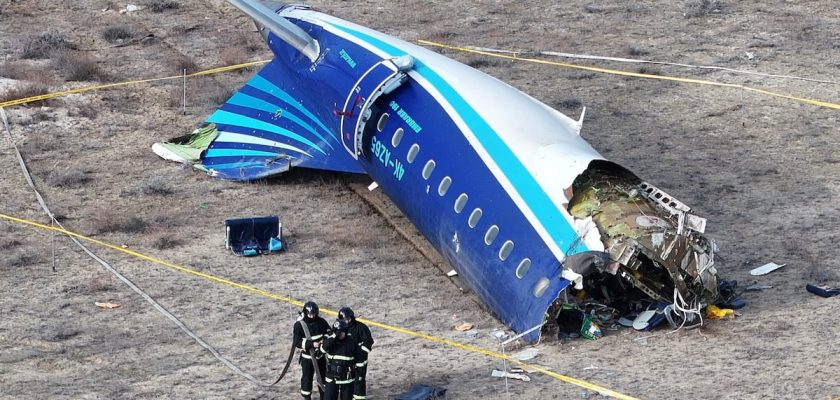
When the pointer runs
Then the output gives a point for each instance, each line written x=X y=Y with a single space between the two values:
x=360 y=333
x=342 y=353
x=318 y=328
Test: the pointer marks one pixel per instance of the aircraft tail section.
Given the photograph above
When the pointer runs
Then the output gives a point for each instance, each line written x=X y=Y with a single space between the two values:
x=262 y=130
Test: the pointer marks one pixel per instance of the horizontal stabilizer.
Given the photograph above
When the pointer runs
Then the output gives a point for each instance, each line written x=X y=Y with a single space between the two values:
x=262 y=130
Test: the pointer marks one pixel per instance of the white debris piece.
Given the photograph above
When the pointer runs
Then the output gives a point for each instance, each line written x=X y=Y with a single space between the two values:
x=527 y=354
x=502 y=374
x=499 y=334
x=766 y=269
x=589 y=234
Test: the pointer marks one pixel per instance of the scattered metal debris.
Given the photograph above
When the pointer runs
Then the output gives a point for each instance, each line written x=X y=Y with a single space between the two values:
x=464 y=327
x=757 y=288
x=106 y=305
x=822 y=290
x=499 y=334
x=503 y=374
x=766 y=269
x=649 y=260
x=527 y=354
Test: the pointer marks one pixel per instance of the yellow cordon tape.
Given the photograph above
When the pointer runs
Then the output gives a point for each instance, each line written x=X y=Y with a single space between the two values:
x=813 y=102
x=289 y=300
x=126 y=83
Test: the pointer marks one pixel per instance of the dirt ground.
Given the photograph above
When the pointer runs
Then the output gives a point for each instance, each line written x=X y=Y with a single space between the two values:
x=765 y=171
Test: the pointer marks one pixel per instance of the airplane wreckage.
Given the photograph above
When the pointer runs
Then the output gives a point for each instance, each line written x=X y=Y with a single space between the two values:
x=528 y=214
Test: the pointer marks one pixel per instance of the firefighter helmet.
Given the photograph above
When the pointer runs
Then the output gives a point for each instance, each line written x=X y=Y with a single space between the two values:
x=346 y=314
x=310 y=309
x=341 y=325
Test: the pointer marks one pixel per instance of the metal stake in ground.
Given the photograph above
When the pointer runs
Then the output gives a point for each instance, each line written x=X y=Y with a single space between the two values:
x=185 y=92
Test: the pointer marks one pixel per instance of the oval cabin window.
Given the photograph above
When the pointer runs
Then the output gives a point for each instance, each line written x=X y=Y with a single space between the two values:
x=398 y=135
x=412 y=153
x=541 y=287
x=383 y=120
x=474 y=217
x=491 y=234
x=523 y=267
x=444 y=185
x=506 y=249
x=427 y=170
x=460 y=202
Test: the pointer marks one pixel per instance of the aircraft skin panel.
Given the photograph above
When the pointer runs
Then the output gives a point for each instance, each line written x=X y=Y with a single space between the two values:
x=540 y=124
x=245 y=101
x=546 y=212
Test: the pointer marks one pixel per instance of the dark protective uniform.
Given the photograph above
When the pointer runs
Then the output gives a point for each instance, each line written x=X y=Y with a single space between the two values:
x=360 y=333
x=342 y=356
x=318 y=328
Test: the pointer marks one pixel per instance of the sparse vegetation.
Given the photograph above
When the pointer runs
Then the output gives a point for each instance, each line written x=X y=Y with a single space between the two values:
x=101 y=284
x=74 y=66
x=183 y=62
x=21 y=259
x=6 y=244
x=163 y=221
x=85 y=110
x=649 y=71
x=116 y=34
x=593 y=9
x=700 y=8
x=21 y=71
x=44 y=45
x=25 y=90
x=479 y=63
x=106 y=220
x=568 y=102
x=41 y=116
x=166 y=241
x=637 y=51
x=219 y=95
x=155 y=185
x=233 y=56
x=67 y=177
x=162 y=5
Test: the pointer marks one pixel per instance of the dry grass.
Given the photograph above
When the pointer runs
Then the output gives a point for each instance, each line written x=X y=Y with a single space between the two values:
x=21 y=259
x=479 y=63
x=101 y=284
x=233 y=56
x=567 y=103
x=116 y=34
x=85 y=110
x=183 y=62
x=162 y=5
x=218 y=95
x=360 y=232
x=701 y=8
x=67 y=177
x=166 y=241
x=25 y=90
x=156 y=185
x=23 y=72
x=106 y=220
x=43 y=45
x=75 y=66
x=637 y=51
x=6 y=244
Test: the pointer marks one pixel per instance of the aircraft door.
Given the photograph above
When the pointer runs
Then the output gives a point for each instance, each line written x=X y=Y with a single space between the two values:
x=380 y=79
